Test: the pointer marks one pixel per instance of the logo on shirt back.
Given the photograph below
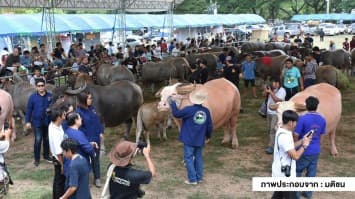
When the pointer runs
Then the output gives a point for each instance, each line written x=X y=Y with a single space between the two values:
x=200 y=117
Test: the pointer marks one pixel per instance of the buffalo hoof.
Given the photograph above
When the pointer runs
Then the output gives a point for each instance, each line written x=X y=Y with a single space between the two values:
x=225 y=143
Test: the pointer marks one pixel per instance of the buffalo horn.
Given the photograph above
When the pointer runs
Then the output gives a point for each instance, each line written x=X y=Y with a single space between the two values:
x=300 y=107
x=76 y=91
x=273 y=107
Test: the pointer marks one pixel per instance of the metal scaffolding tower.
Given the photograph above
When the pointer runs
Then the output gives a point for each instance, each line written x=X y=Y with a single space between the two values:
x=49 y=23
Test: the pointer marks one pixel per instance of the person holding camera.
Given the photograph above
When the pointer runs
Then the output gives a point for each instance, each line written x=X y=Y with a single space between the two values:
x=285 y=154
x=275 y=93
x=125 y=180
x=310 y=121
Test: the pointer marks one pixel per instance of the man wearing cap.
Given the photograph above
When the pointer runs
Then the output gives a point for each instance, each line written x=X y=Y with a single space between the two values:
x=196 y=129
x=125 y=181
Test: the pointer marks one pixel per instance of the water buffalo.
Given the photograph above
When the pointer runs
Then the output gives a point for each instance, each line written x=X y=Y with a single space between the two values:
x=277 y=45
x=107 y=73
x=150 y=119
x=338 y=58
x=331 y=75
x=329 y=107
x=6 y=110
x=177 y=68
x=248 y=47
x=115 y=103
x=211 y=59
x=270 y=53
x=224 y=110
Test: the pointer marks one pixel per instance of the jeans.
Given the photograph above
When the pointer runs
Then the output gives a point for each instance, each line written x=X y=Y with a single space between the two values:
x=95 y=163
x=284 y=195
x=41 y=134
x=308 y=162
x=58 y=181
x=194 y=162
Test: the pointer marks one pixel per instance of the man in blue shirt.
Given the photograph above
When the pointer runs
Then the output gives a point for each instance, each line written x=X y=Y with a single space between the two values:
x=196 y=129
x=307 y=122
x=77 y=182
x=36 y=116
x=292 y=79
x=248 y=70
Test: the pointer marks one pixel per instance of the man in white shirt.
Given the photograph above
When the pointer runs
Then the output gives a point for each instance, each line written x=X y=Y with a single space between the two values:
x=276 y=93
x=285 y=154
x=56 y=136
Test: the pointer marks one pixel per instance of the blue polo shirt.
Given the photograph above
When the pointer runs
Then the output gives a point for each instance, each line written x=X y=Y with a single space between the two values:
x=307 y=122
x=36 y=109
x=248 y=69
x=196 y=124
x=91 y=124
x=79 y=177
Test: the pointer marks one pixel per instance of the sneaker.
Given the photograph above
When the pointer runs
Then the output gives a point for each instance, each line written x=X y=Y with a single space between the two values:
x=48 y=159
x=269 y=150
x=190 y=183
x=36 y=163
x=98 y=183
x=199 y=181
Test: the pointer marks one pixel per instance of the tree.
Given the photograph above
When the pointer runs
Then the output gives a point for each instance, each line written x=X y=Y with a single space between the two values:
x=317 y=5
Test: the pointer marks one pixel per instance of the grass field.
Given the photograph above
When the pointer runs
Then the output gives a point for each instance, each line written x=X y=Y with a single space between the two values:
x=228 y=172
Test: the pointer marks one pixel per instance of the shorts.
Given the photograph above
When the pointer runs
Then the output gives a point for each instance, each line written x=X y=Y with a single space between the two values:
x=249 y=81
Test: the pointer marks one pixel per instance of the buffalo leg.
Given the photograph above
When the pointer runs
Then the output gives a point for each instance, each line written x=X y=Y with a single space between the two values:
x=128 y=124
x=233 y=130
x=333 y=148
x=164 y=131
x=226 y=130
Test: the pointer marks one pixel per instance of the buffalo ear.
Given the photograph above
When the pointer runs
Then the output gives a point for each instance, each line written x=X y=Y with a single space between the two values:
x=274 y=106
x=158 y=93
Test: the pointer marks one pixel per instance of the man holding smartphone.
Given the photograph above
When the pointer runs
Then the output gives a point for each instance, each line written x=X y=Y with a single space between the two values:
x=311 y=121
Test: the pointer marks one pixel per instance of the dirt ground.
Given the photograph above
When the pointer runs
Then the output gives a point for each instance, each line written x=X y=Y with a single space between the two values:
x=228 y=172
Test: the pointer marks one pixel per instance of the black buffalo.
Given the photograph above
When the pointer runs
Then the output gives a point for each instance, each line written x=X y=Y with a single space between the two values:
x=115 y=104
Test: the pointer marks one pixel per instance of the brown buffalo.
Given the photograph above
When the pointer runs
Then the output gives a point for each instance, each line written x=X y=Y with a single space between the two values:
x=329 y=106
x=150 y=119
x=338 y=58
x=224 y=110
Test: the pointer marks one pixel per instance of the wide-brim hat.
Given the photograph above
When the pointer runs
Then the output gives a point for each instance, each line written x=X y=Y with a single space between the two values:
x=198 y=96
x=122 y=153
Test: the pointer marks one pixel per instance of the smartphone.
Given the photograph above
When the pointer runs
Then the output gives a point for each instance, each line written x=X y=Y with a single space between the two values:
x=310 y=133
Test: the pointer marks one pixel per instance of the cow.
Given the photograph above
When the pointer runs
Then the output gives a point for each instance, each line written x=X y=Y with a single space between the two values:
x=107 y=73
x=115 y=103
x=338 y=58
x=224 y=110
x=6 y=111
x=329 y=107
x=150 y=119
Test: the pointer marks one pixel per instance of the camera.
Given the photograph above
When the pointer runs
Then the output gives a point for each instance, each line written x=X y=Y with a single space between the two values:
x=6 y=125
x=141 y=145
x=287 y=170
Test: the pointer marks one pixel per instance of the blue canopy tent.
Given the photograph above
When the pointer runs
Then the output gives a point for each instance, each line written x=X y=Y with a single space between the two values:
x=33 y=24
x=322 y=17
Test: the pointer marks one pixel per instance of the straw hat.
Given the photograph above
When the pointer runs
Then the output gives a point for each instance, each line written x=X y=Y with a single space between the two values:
x=122 y=153
x=198 y=96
